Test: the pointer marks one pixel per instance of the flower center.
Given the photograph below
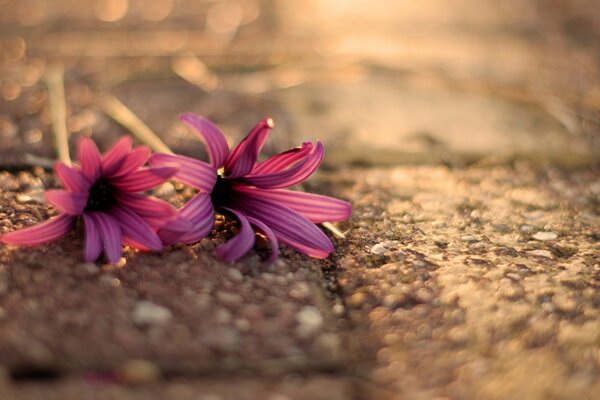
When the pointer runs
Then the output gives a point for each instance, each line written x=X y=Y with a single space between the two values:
x=221 y=191
x=101 y=196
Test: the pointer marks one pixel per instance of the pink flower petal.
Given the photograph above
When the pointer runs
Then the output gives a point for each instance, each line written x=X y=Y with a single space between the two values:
x=47 y=231
x=283 y=160
x=145 y=206
x=90 y=159
x=144 y=179
x=270 y=235
x=290 y=176
x=132 y=161
x=292 y=226
x=310 y=250
x=71 y=203
x=195 y=173
x=199 y=211
x=315 y=207
x=110 y=233
x=244 y=155
x=93 y=243
x=136 y=232
x=213 y=138
x=71 y=178
x=240 y=244
x=113 y=157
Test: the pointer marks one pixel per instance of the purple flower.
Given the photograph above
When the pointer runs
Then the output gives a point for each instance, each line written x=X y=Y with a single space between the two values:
x=235 y=183
x=103 y=191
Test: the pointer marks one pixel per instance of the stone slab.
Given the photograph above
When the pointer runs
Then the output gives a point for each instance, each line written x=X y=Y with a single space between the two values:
x=474 y=283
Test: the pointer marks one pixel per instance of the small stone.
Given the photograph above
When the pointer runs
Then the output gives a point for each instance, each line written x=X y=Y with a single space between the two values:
x=310 y=321
x=468 y=238
x=300 y=290
x=235 y=274
x=543 y=236
x=88 y=268
x=356 y=300
x=527 y=228
x=165 y=190
x=148 y=313
x=381 y=248
x=229 y=298
x=242 y=325
x=222 y=316
x=541 y=253
x=139 y=372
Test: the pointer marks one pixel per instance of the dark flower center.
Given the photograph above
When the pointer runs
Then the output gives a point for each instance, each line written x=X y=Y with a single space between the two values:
x=221 y=192
x=101 y=197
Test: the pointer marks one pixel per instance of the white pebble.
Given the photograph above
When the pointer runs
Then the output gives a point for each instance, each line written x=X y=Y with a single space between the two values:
x=148 y=313
x=310 y=321
x=543 y=236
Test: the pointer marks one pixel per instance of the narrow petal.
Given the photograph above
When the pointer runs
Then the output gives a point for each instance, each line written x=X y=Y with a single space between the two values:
x=270 y=235
x=290 y=176
x=72 y=178
x=293 y=227
x=144 y=179
x=283 y=160
x=93 y=243
x=90 y=159
x=195 y=173
x=213 y=138
x=71 y=203
x=132 y=161
x=113 y=157
x=244 y=155
x=316 y=208
x=310 y=250
x=136 y=232
x=110 y=233
x=241 y=243
x=199 y=211
x=145 y=206
x=47 y=231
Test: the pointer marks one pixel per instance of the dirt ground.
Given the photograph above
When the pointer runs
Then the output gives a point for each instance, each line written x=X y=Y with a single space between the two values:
x=466 y=136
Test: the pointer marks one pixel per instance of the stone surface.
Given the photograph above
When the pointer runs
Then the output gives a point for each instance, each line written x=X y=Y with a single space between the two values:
x=218 y=388
x=466 y=305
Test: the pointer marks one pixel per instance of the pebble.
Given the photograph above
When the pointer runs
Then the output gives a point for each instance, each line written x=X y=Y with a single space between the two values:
x=235 y=274
x=300 y=291
x=543 y=236
x=381 y=248
x=541 y=253
x=88 y=268
x=468 y=238
x=139 y=372
x=310 y=321
x=229 y=298
x=164 y=190
x=148 y=313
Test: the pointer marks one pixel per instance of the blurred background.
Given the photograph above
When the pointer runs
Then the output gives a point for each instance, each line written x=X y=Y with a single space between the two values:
x=386 y=82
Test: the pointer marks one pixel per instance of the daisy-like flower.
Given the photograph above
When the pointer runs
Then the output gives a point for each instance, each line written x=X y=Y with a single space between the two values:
x=236 y=184
x=103 y=191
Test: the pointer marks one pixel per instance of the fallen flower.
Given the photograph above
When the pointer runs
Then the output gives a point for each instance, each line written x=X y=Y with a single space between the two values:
x=236 y=184
x=103 y=191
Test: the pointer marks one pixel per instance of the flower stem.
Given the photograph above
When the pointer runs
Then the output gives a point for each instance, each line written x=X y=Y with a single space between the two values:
x=58 y=112
x=124 y=116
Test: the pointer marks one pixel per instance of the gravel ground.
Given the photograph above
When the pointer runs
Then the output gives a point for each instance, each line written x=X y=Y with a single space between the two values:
x=476 y=283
